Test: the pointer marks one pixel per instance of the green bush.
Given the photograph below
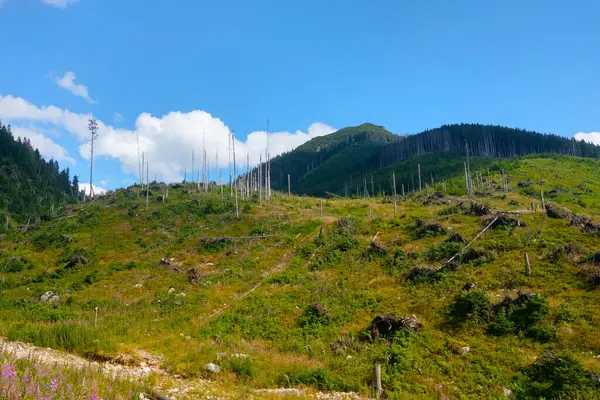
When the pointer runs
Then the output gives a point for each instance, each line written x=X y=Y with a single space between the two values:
x=442 y=251
x=501 y=325
x=471 y=306
x=557 y=377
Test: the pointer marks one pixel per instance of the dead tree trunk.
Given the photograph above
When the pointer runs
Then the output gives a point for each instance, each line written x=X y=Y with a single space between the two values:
x=527 y=265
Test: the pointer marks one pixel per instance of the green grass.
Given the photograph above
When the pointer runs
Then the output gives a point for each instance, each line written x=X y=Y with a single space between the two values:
x=277 y=326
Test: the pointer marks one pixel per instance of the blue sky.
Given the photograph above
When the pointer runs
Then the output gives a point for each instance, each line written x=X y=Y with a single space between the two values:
x=183 y=73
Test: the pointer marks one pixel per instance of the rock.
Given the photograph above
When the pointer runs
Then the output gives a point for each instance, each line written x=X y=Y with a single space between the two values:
x=464 y=350
x=49 y=297
x=166 y=261
x=214 y=368
x=181 y=294
x=141 y=396
x=171 y=290
x=146 y=370
x=507 y=392
x=239 y=355
x=138 y=285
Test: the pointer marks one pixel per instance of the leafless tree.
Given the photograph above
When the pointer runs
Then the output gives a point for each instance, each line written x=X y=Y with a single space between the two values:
x=93 y=128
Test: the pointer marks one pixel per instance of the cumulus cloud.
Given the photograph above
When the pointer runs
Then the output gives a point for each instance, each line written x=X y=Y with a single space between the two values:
x=59 y=3
x=67 y=82
x=47 y=147
x=591 y=137
x=86 y=188
x=166 y=141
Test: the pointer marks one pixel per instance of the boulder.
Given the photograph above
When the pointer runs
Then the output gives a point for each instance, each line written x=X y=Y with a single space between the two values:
x=213 y=368
x=49 y=297
x=166 y=261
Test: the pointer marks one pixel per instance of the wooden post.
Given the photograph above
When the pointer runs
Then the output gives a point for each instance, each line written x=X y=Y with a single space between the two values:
x=96 y=317
x=394 y=206
x=403 y=190
x=394 y=182
x=289 y=187
x=321 y=209
x=377 y=381
x=167 y=192
x=543 y=203
x=527 y=265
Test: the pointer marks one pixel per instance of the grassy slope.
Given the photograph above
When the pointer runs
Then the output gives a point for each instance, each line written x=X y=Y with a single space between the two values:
x=270 y=323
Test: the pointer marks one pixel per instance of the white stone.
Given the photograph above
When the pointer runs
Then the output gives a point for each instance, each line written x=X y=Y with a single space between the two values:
x=171 y=290
x=138 y=285
x=507 y=392
x=464 y=350
x=49 y=296
x=214 y=368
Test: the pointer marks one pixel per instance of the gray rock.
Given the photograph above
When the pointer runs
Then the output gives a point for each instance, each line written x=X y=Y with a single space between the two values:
x=507 y=392
x=214 y=368
x=464 y=350
x=49 y=297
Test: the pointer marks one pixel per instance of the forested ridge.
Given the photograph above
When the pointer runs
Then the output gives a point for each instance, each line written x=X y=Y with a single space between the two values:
x=352 y=154
x=29 y=185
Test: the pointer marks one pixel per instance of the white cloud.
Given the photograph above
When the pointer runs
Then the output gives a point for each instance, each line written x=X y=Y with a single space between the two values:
x=167 y=141
x=591 y=137
x=59 y=3
x=118 y=117
x=104 y=182
x=47 y=147
x=67 y=82
x=86 y=188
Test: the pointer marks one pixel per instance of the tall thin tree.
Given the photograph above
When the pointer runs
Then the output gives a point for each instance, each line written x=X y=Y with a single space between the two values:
x=93 y=128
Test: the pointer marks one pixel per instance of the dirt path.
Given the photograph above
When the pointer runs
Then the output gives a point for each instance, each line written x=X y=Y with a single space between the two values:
x=46 y=356
x=174 y=388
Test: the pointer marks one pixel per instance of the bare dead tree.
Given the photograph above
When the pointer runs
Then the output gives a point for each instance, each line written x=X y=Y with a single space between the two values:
x=93 y=128
x=230 y=175
x=139 y=162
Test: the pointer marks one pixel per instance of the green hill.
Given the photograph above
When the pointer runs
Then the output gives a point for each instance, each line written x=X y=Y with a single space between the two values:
x=285 y=297
x=347 y=159
x=30 y=185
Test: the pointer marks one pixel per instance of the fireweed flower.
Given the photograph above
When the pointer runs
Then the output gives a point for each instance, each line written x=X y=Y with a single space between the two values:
x=9 y=373
x=54 y=385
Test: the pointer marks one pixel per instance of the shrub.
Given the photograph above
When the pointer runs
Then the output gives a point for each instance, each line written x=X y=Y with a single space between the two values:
x=443 y=251
x=471 y=306
x=555 y=377
x=424 y=275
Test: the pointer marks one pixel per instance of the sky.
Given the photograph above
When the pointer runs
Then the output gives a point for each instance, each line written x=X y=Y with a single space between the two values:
x=181 y=75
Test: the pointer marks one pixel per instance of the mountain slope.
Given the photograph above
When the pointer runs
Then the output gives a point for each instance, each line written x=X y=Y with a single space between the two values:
x=29 y=185
x=286 y=296
x=315 y=153
x=368 y=154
